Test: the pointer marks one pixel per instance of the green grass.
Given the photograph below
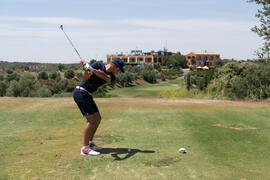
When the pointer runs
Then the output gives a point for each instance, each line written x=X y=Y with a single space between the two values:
x=40 y=138
x=146 y=90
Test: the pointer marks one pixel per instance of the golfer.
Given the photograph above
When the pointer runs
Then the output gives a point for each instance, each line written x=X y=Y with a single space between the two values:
x=94 y=76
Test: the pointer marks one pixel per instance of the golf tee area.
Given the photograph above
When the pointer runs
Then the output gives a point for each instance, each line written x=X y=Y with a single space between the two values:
x=40 y=138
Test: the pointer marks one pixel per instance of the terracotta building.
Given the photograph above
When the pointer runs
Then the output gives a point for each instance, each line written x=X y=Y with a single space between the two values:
x=202 y=58
x=140 y=57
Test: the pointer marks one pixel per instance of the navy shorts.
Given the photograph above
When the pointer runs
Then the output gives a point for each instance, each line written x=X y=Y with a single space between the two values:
x=85 y=102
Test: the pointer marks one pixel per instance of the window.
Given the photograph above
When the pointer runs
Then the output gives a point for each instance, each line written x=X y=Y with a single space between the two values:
x=198 y=57
x=149 y=60
x=132 y=60
x=140 y=59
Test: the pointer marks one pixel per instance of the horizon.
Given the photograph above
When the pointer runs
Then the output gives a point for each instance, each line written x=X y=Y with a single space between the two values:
x=30 y=30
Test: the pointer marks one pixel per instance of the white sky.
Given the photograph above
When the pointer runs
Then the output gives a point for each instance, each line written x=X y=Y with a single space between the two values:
x=29 y=29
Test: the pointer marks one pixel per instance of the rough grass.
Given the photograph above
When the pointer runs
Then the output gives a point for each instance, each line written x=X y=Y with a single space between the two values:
x=40 y=138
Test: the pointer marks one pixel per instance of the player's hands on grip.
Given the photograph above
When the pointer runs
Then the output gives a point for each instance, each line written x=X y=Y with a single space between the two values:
x=88 y=67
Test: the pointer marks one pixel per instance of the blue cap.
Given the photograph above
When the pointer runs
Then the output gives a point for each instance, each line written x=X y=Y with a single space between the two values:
x=119 y=63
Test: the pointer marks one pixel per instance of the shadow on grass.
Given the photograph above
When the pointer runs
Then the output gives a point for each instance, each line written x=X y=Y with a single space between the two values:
x=115 y=152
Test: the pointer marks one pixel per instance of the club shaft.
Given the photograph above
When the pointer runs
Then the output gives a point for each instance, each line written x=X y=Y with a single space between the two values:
x=72 y=44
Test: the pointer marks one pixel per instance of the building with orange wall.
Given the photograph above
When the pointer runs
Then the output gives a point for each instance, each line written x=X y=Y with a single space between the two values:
x=202 y=58
x=140 y=57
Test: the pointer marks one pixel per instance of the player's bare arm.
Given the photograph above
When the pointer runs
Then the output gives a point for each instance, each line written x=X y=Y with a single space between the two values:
x=102 y=75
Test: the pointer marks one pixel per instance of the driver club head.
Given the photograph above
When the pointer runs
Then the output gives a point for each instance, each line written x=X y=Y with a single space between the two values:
x=61 y=27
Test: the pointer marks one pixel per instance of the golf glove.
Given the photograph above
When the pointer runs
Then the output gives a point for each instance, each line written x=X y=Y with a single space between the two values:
x=88 y=67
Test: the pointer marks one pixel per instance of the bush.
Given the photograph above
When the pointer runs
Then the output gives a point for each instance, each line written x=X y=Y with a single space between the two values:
x=100 y=92
x=200 y=79
x=13 y=76
x=43 y=75
x=172 y=73
x=177 y=60
x=61 y=67
x=79 y=75
x=69 y=74
x=13 y=90
x=157 y=67
x=2 y=77
x=59 y=86
x=3 y=88
x=71 y=85
x=188 y=81
x=125 y=79
x=44 y=92
x=242 y=81
x=54 y=75
x=149 y=76
x=9 y=71
x=26 y=84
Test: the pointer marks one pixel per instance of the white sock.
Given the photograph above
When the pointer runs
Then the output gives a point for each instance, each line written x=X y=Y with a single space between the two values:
x=86 y=147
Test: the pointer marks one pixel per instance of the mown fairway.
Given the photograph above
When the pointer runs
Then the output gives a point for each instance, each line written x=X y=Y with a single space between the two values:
x=41 y=139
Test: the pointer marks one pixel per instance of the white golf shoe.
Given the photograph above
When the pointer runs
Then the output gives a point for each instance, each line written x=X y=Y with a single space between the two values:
x=89 y=152
x=95 y=147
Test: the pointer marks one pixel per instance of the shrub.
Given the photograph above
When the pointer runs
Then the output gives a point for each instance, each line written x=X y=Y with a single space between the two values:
x=200 y=79
x=162 y=77
x=13 y=90
x=69 y=74
x=176 y=60
x=13 y=76
x=172 y=73
x=79 y=75
x=54 y=75
x=26 y=84
x=3 y=88
x=61 y=67
x=100 y=92
x=149 y=76
x=125 y=79
x=59 y=86
x=2 y=77
x=71 y=85
x=242 y=81
x=43 y=75
x=44 y=92
x=188 y=81
x=9 y=71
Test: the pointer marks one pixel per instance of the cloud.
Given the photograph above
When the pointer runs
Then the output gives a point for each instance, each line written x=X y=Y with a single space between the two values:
x=95 y=37
x=51 y=20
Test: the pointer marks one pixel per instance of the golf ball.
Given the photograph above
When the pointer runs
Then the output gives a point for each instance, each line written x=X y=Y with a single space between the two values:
x=182 y=150
x=129 y=150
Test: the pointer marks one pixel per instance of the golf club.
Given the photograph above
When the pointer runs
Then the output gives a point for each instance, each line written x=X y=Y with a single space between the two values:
x=62 y=28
